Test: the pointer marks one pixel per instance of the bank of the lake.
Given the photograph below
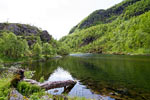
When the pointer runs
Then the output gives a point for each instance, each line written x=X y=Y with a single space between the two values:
x=9 y=62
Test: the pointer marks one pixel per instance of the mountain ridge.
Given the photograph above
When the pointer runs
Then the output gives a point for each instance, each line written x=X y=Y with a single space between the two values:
x=106 y=16
x=122 y=35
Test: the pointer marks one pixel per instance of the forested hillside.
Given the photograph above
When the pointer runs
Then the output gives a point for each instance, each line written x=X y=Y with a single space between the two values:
x=123 y=28
x=21 y=41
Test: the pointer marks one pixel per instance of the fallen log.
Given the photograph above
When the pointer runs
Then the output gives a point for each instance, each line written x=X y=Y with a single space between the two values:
x=31 y=81
x=51 y=85
x=68 y=84
x=57 y=84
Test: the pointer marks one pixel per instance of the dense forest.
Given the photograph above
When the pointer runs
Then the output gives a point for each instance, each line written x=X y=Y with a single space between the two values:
x=20 y=42
x=121 y=29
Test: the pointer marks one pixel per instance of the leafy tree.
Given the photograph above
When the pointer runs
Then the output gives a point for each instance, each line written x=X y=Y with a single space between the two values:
x=37 y=50
x=39 y=40
x=48 y=50
x=63 y=50
x=12 y=47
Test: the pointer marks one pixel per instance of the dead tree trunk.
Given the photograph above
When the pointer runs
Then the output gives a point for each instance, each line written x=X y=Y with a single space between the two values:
x=68 y=84
x=52 y=85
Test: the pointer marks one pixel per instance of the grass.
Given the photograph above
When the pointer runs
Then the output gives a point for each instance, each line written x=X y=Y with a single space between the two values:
x=5 y=81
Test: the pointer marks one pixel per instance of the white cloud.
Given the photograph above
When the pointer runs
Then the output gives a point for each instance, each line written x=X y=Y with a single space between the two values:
x=56 y=16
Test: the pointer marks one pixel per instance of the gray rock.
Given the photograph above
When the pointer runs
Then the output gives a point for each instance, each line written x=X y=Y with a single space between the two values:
x=45 y=36
x=15 y=95
x=46 y=98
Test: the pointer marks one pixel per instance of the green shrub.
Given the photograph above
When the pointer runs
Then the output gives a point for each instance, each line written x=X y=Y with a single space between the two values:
x=1 y=61
x=38 y=95
x=34 y=97
x=4 y=88
x=63 y=50
x=41 y=79
x=27 y=89
x=29 y=74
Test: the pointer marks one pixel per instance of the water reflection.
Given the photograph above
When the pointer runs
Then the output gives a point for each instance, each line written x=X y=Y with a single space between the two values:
x=79 y=90
x=60 y=75
x=117 y=76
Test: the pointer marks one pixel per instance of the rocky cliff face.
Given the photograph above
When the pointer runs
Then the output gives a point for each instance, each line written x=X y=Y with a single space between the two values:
x=26 y=31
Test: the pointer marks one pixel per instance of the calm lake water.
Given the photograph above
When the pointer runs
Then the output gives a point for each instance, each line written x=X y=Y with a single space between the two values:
x=104 y=77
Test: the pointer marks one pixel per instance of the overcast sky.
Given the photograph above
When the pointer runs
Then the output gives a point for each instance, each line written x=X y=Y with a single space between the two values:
x=55 y=16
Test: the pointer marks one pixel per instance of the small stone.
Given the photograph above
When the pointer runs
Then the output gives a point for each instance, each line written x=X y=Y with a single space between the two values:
x=46 y=98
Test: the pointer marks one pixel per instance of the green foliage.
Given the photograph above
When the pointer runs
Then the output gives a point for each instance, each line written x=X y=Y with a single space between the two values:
x=48 y=50
x=38 y=95
x=4 y=86
x=37 y=50
x=29 y=74
x=119 y=36
x=35 y=96
x=12 y=47
x=39 y=40
x=63 y=50
x=22 y=46
x=124 y=10
x=41 y=79
x=137 y=8
x=1 y=61
x=27 y=89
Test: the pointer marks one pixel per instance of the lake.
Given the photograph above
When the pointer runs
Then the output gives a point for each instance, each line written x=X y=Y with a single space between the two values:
x=98 y=76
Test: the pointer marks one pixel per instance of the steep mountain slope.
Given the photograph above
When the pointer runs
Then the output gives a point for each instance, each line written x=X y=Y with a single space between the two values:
x=122 y=29
x=127 y=9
